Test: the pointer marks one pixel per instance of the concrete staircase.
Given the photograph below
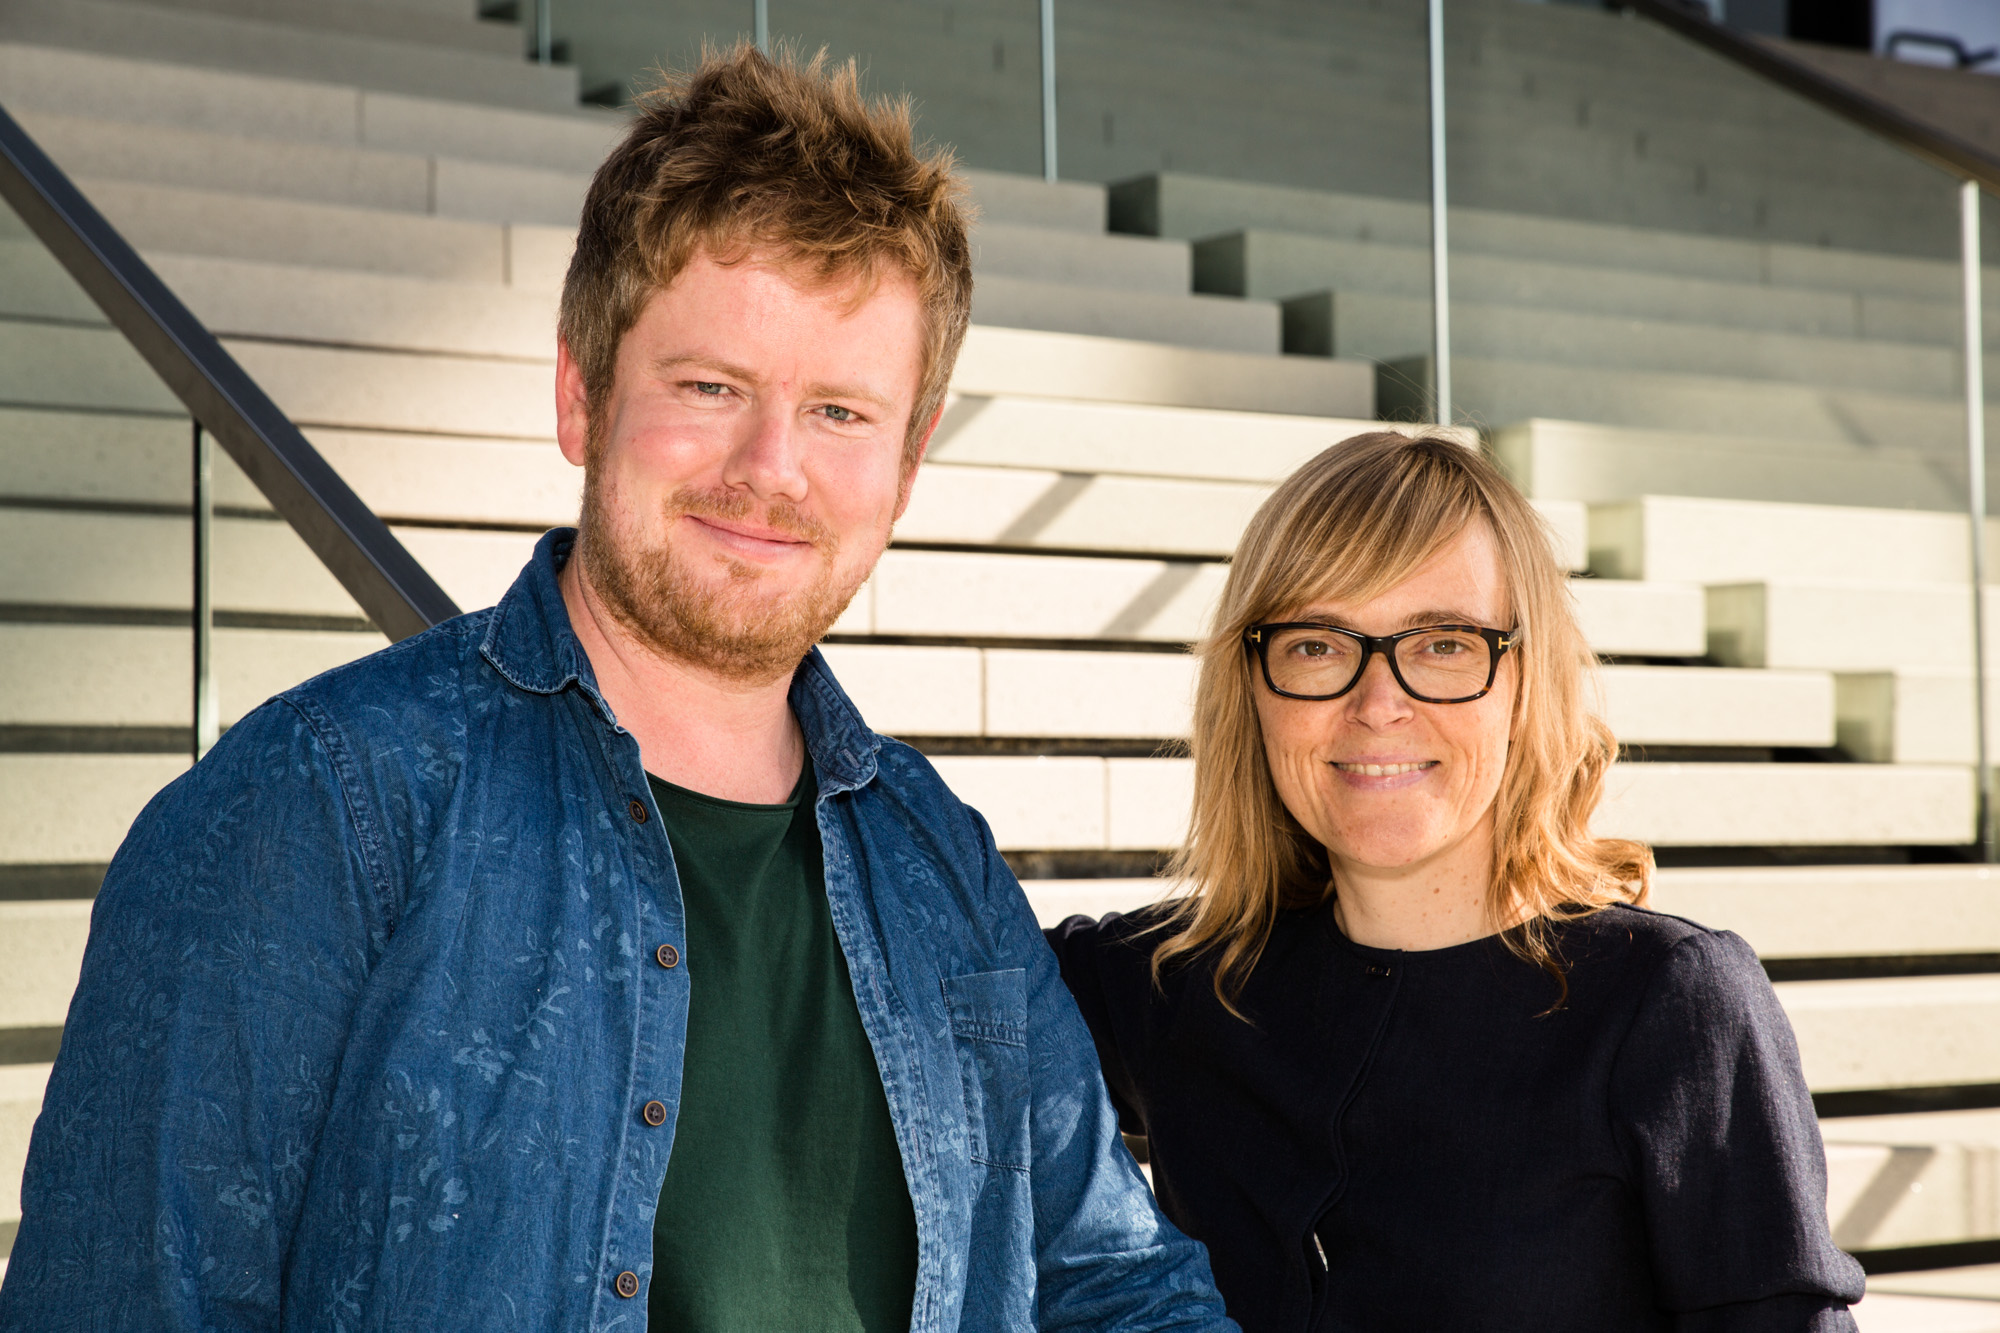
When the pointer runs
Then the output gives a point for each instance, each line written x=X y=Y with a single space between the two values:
x=379 y=239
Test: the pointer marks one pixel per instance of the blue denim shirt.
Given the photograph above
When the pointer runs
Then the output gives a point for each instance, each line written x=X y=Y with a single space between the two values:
x=374 y=996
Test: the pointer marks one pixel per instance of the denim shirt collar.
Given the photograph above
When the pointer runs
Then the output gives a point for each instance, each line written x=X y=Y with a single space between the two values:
x=530 y=643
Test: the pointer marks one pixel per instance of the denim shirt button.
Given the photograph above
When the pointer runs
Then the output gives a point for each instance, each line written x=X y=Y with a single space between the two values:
x=655 y=1113
x=638 y=809
x=667 y=956
x=626 y=1284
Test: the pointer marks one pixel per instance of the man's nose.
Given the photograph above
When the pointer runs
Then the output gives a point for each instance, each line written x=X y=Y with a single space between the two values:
x=768 y=457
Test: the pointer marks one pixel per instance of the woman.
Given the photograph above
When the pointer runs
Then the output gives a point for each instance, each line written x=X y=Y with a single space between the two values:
x=1410 y=1054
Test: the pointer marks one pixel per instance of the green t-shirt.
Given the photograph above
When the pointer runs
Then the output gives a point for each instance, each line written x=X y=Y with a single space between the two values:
x=785 y=1206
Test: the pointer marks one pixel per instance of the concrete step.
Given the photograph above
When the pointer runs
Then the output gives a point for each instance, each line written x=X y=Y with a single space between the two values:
x=373 y=178
x=1278 y=265
x=1214 y=322
x=140 y=562
x=1896 y=1032
x=1847 y=626
x=1080 y=258
x=1079 y=510
x=1575 y=460
x=1913 y=717
x=1056 y=365
x=1391 y=328
x=249 y=105
x=1631 y=619
x=42 y=944
x=20 y=1102
x=1010 y=198
x=1853 y=911
x=963 y=594
x=76 y=808
x=1134 y=438
x=1974 y=1282
x=1189 y=207
x=1726 y=541
x=1904 y=1180
x=235 y=298
x=1493 y=392
x=1771 y=805
x=261 y=46
x=164 y=219
x=383 y=21
x=90 y=676
x=1675 y=705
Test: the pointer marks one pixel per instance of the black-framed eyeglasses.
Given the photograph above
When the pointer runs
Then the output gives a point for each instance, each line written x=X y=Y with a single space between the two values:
x=1435 y=664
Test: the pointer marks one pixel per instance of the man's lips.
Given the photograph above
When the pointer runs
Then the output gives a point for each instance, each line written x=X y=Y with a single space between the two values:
x=749 y=538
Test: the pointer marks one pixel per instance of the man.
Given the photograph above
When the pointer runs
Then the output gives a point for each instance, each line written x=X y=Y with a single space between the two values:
x=586 y=963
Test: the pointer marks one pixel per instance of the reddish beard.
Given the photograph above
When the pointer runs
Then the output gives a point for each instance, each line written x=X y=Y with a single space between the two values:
x=734 y=625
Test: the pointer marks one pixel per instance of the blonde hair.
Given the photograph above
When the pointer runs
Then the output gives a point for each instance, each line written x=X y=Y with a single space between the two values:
x=1351 y=524
x=754 y=153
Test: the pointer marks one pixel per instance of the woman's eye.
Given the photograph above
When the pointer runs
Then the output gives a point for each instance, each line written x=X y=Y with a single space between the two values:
x=1312 y=649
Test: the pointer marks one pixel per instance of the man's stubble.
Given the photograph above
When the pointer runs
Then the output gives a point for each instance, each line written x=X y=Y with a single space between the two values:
x=732 y=627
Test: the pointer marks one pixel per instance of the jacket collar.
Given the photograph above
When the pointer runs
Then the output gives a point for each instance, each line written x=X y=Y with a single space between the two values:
x=530 y=643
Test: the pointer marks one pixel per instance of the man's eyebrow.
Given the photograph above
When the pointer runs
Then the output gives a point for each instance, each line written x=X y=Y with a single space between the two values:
x=696 y=361
x=855 y=391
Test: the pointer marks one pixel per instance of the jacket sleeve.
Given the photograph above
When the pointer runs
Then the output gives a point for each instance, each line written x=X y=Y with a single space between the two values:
x=1106 y=1259
x=1711 y=1103
x=1091 y=971
x=227 y=950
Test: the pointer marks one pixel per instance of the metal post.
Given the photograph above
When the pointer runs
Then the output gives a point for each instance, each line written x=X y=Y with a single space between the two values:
x=544 y=34
x=206 y=723
x=1975 y=459
x=761 y=25
x=1048 y=90
x=1440 y=251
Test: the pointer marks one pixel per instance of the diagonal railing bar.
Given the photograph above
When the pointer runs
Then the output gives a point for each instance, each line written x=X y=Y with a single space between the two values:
x=1932 y=142
x=384 y=579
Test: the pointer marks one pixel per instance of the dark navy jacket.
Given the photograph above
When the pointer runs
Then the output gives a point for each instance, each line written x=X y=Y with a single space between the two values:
x=375 y=994
x=1643 y=1158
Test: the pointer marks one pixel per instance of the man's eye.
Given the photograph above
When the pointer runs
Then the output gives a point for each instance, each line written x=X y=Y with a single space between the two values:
x=835 y=412
x=709 y=390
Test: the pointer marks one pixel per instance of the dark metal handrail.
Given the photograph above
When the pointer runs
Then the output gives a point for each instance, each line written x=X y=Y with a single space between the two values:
x=383 y=578
x=1934 y=144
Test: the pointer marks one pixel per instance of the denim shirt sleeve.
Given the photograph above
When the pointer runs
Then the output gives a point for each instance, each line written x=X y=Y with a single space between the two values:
x=227 y=949
x=1105 y=1257
x=1711 y=1102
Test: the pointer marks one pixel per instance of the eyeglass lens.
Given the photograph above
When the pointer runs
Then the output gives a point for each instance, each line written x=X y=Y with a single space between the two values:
x=1437 y=664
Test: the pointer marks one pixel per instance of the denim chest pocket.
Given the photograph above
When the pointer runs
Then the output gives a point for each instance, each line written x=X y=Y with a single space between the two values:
x=989 y=1029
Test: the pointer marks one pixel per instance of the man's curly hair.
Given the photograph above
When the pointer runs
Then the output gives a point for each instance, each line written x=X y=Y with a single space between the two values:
x=778 y=157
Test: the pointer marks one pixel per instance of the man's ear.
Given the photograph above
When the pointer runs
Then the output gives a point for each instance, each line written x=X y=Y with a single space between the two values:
x=572 y=407
x=910 y=470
